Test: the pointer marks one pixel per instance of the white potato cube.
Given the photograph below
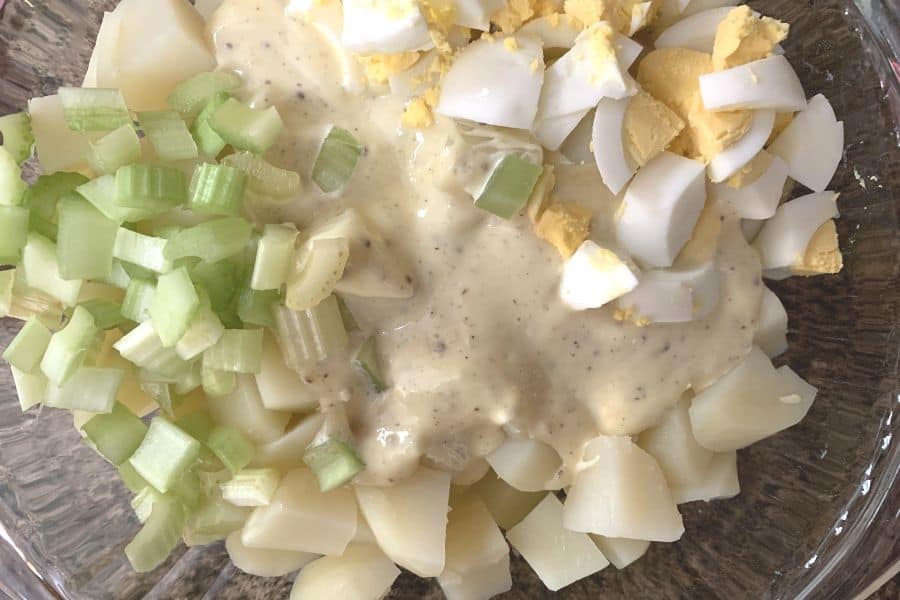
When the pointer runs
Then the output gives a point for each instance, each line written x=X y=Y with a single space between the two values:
x=771 y=332
x=280 y=388
x=506 y=504
x=621 y=552
x=672 y=444
x=58 y=148
x=102 y=70
x=262 y=562
x=473 y=538
x=484 y=582
x=526 y=464
x=719 y=481
x=243 y=410
x=363 y=572
x=284 y=451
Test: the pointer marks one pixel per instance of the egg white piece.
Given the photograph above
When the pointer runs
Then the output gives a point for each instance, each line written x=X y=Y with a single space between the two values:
x=695 y=6
x=578 y=146
x=372 y=27
x=661 y=208
x=812 y=145
x=751 y=228
x=553 y=131
x=477 y=13
x=489 y=83
x=696 y=32
x=675 y=296
x=769 y=83
x=758 y=200
x=784 y=237
x=594 y=276
x=640 y=15
x=736 y=156
x=327 y=18
x=609 y=146
x=672 y=9
x=560 y=35
x=771 y=332
x=413 y=81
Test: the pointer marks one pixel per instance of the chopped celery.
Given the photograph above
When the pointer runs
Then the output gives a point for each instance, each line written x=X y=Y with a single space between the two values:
x=509 y=186
x=333 y=462
x=204 y=331
x=368 y=360
x=30 y=387
x=273 y=257
x=347 y=317
x=174 y=305
x=91 y=389
x=130 y=479
x=16 y=136
x=137 y=271
x=190 y=490
x=310 y=335
x=12 y=188
x=150 y=187
x=143 y=347
x=217 y=189
x=7 y=283
x=251 y=487
x=116 y=435
x=85 y=240
x=336 y=160
x=190 y=380
x=158 y=537
x=41 y=270
x=93 y=109
x=115 y=149
x=118 y=277
x=255 y=307
x=138 y=300
x=231 y=447
x=237 y=351
x=208 y=141
x=211 y=241
x=68 y=346
x=107 y=314
x=164 y=454
x=218 y=383
x=101 y=192
x=168 y=134
x=190 y=96
x=161 y=392
x=142 y=250
x=221 y=280
x=317 y=268
x=143 y=501
x=13 y=233
x=196 y=424
x=245 y=128
x=27 y=348
x=25 y=302
x=264 y=178
x=42 y=197
x=217 y=518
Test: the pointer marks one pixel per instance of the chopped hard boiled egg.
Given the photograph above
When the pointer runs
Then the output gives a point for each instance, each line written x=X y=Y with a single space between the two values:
x=610 y=152
x=594 y=276
x=375 y=27
x=649 y=128
x=730 y=160
x=673 y=296
x=822 y=255
x=565 y=225
x=554 y=30
x=476 y=14
x=758 y=199
x=695 y=32
x=767 y=83
x=771 y=331
x=785 y=237
x=744 y=37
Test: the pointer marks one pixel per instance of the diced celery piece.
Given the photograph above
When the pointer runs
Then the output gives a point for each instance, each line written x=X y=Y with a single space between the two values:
x=368 y=360
x=264 y=178
x=237 y=351
x=85 y=240
x=138 y=300
x=333 y=462
x=217 y=518
x=336 y=160
x=217 y=189
x=42 y=197
x=15 y=131
x=93 y=109
x=118 y=277
x=196 y=424
x=164 y=454
x=313 y=334
x=245 y=128
x=150 y=187
x=251 y=487
x=7 y=283
x=133 y=482
x=115 y=149
x=218 y=383
x=137 y=272
x=68 y=347
x=318 y=267
x=203 y=332
x=162 y=394
x=30 y=387
x=107 y=314
x=143 y=347
x=101 y=192
x=211 y=241
x=26 y=302
x=174 y=305
x=222 y=281
x=143 y=250
x=273 y=257
x=143 y=501
x=41 y=270
x=27 y=348
x=231 y=447
x=158 y=537
x=208 y=141
x=255 y=307
x=13 y=233
x=509 y=186
x=190 y=380
x=91 y=389
x=190 y=96
x=12 y=188
x=168 y=134
x=116 y=435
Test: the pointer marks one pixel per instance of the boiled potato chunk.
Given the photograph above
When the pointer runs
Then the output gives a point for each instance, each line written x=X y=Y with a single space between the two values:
x=672 y=444
x=285 y=451
x=102 y=70
x=409 y=519
x=750 y=403
x=264 y=563
x=302 y=518
x=622 y=493
x=363 y=572
x=558 y=555
x=621 y=552
x=281 y=388
x=473 y=538
x=58 y=148
x=484 y=582
x=506 y=504
x=243 y=409
x=719 y=481
x=526 y=464
x=771 y=333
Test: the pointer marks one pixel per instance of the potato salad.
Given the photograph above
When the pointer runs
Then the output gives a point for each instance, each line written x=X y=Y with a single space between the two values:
x=367 y=285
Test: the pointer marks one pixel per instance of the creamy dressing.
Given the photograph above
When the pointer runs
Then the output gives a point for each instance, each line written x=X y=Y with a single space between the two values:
x=484 y=347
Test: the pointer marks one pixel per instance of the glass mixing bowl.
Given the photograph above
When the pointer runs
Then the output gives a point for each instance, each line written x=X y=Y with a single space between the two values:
x=817 y=514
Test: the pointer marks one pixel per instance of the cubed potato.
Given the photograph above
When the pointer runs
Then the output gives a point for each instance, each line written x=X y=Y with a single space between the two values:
x=409 y=519
x=243 y=410
x=526 y=464
x=720 y=481
x=672 y=444
x=301 y=518
x=472 y=473
x=622 y=494
x=484 y=582
x=102 y=71
x=750 y=403
x=58 y=148
x=558 y=555
x=771 y=332
x=473 y=538
x=506 y=504
x=621 y=552
x=281 y=388
x=286 y=451
x=264 y=563
x=363 y=572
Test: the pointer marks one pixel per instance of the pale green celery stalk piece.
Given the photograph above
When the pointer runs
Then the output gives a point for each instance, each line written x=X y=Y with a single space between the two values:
x=190 y=96
x=107 y=314
x=208 y=141
x=91 y=389
x=190 y=380
x=68 y=347
x=115 y=149
x=222 y=281
x=347 y=317
x=13 y=233
x=216 y=519
x=162 y=394
x=264 y=178
x=142 y=347
x=333 y=462
x=237 y=351
x=273 y=257
x=367 y=358
x=133 y=482
x=231 y=447
x=15 y=130
x=168 y=134
x=217 y=189
x=27 y=349
x=116 y=435
x=203 y=332
x=164 y=454
x=138 y=299
x=93 y=109
x=310 y=335
x=151 y=187
x=143 y=501
x=118 y=276
x=42 y=197
x=245 y=128
x=7 y=282
x=218 y=383
x=336 y=160
x=158 y=537
x=251 y=487
x=174 y=305
x=143 y=250
x=12 y=188
x=30 y=387
x=196 y=424
x=509 y=186
x=85 y=240
x=211 y=241
x=101 y=192
x=255 y=307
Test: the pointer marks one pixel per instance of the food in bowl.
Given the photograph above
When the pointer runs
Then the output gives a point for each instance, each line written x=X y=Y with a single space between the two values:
x=359 y=286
